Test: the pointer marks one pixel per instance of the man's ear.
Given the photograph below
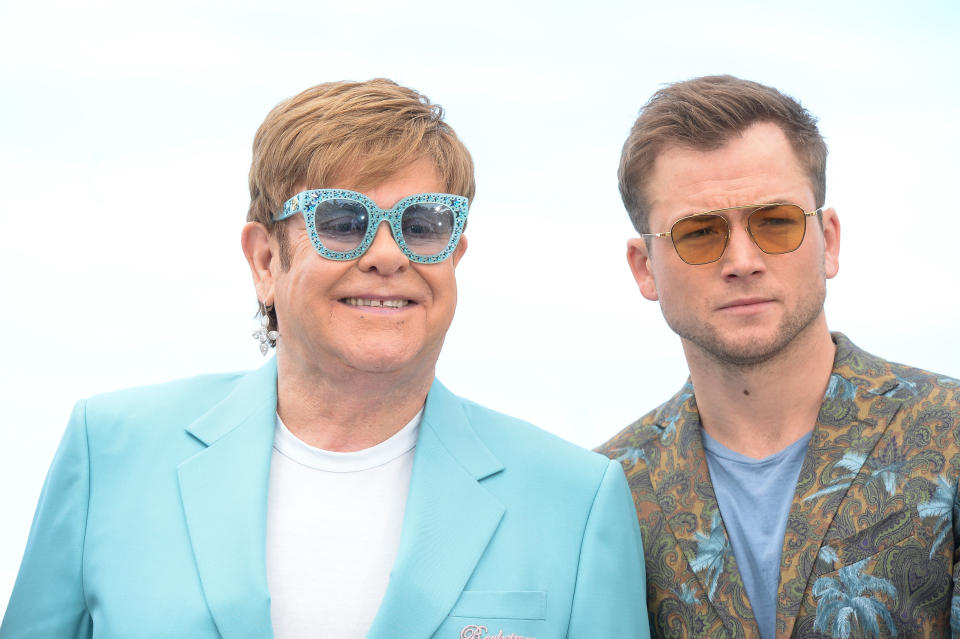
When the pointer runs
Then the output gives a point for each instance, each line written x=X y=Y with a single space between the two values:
x=460 y=250
x=831 y=242
x=255 y=240
x=638 y=257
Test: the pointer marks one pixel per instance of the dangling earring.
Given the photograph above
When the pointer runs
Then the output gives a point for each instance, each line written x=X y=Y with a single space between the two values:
x=262 y=335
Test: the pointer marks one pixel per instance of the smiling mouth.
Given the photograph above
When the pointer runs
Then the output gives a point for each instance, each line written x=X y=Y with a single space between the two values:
x=375 y=303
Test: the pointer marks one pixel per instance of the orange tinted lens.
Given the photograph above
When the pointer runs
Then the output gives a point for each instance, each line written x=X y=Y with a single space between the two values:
x=778 y=228
x=700 y=238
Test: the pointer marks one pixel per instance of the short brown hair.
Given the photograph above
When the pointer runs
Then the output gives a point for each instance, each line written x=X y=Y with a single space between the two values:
x=703 y=114
x=364 y=131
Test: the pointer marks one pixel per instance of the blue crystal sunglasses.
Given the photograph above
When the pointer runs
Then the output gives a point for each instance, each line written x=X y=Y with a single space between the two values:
x=342 y=224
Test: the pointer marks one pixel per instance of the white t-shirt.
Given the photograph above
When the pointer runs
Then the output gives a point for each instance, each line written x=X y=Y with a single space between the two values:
x=333 y=528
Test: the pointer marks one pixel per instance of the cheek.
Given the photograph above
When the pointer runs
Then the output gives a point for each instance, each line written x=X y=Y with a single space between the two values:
x=450 y=290
x=308 y=287
x=443 y=304
x=668 y=278
x=805 y=272
x=440 y=279
x=683 y=288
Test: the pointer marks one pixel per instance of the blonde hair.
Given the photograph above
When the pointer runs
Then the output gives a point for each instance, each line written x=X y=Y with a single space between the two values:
x=703 y=114
x=362 y=131
x=366 y=131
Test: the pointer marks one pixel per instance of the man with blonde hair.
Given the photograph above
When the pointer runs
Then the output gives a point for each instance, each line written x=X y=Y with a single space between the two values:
x=340 y=491
x=796 y=486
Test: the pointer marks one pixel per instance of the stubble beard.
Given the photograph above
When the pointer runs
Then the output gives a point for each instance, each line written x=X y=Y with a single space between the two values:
x=749 y=351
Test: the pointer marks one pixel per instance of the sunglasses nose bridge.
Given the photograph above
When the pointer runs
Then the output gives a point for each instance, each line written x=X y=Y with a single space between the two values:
x=737 y=255
x=378 y=219
x=732 y=228
x=393 y=229
x=383 y=253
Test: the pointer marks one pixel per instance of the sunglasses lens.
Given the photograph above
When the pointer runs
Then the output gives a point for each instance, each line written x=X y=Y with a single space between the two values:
x=427 y=227
x=700 y=239
x=341 y=224
x=779 y=228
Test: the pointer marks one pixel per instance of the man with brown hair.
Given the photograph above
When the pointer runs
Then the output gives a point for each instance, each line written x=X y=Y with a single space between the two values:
x=796 y=486
x=340 y=491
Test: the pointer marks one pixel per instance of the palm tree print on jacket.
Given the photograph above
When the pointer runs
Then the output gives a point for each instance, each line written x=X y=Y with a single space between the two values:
x=686 y=594
x=878 y=482
x=712 y=550
x=885 y=467
x=941 y=507
x=844 y=603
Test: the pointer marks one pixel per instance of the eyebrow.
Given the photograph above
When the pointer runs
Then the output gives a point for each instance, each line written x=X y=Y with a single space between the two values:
x=740 y=206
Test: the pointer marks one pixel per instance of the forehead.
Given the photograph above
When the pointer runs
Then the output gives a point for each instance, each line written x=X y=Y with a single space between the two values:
x=419 y=176
x=758 y=166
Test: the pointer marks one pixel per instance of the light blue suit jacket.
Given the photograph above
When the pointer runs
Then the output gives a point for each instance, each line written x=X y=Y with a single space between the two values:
x=152 y=523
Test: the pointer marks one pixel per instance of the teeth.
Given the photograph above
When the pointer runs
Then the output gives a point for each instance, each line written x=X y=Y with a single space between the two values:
x=361 y=301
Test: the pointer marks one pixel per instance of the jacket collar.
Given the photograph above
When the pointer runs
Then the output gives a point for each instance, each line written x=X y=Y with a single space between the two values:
x=861 y=398
x=223 y=489
x=449 y=518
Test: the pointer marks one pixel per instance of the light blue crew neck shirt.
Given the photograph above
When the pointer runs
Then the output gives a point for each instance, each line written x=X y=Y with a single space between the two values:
x=754 y=496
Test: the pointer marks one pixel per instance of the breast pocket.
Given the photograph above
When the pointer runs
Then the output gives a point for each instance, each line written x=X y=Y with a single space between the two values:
x=893 y=530
x=892 y=578
x=501 y=604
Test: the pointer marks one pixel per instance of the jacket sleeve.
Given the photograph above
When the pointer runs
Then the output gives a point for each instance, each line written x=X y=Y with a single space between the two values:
x=955 y=599
x=609 y=599
x=48 y=600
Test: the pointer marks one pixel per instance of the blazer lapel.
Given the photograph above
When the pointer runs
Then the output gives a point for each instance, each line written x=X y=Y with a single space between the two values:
x=224 y=494
x=681 y=482
x=449 y=520
x=862 y=398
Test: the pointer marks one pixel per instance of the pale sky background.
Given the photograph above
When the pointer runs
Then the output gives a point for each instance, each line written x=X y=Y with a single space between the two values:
x=126 y=131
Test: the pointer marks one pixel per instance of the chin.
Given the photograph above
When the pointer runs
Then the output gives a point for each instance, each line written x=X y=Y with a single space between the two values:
x=745 y=353
x=749 y=347
x=388 y=358
x=379 y=362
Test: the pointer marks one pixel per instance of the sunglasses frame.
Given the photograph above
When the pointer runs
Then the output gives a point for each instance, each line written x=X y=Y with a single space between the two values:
x=726 y=239
x=306 y=203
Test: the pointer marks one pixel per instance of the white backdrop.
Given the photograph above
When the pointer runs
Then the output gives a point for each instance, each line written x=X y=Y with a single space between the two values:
x=126 y=131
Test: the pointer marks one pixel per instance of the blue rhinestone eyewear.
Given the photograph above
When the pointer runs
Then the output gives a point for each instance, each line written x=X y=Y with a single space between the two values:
x=342 y=224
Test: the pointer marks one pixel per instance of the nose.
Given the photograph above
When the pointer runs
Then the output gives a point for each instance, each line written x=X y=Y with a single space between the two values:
x=742 y=258
x=383 y=255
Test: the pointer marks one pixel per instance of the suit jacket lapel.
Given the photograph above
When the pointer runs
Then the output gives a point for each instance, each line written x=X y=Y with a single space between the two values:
x=448 y=522
x=224 y=494
x=681 y=482
x=861 y=400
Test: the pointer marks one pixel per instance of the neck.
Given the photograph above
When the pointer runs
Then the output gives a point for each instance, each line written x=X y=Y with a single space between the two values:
x=351 y=410
x=760 y=409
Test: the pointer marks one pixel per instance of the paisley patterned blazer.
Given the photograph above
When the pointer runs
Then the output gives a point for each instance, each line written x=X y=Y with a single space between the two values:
x=871 y=547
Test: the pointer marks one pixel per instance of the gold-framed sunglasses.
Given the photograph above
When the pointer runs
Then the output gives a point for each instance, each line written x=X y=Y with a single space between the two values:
x=702 y=238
